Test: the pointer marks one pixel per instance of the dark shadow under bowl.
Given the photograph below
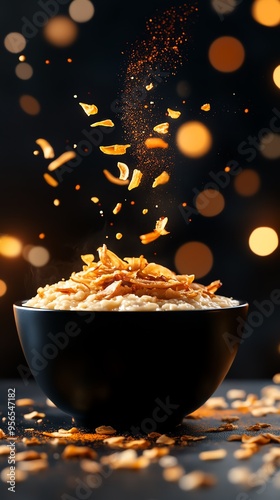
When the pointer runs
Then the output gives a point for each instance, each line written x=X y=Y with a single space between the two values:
x=136 y=371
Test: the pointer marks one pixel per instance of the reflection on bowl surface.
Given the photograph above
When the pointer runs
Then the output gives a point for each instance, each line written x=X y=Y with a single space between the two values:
x=133 y=370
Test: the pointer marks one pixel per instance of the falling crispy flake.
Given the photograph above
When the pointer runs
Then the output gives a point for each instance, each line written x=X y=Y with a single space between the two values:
x=94 y=199
x=149 y=87
x=115 y=180
x=117 y=208
x=173 y=114
x=47 y=149
x=50 y=180
x=89 y=109
x=64 y=158
x=115 y=149
x=156 y=233
x=124 y=170
x=155 y=142
x=162 y=128
x=163 y=178
x=103 y=123
x=34 y=415
x=135 y=180
x=205 y=107
x=119 y=236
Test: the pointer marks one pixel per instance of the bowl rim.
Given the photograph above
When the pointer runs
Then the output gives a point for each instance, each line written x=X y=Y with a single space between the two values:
x=20 y=304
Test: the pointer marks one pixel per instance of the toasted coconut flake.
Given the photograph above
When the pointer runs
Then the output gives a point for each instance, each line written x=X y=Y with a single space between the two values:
x=50 y=180
x=124 y=170
x=117 y=208
x=135 y=180
x=103 y=123
x=160 y=226
x=105 y=429
x=173 y=114
x=115 y=180
x=162 y=128
x=149 y=87
x=88 y=258
x=114 y=441
x=94 y=199
x=149 y=237
x=47 y=149
x=115 y=149
x=73 y=451
x=25 y=402
x=64 y=158
x=163 y=178
x=197 y=479
x=164 y=439
x=205 y=107
x=119 y=236
x=155 y=142
x=34 y=415
x=89 y=109
x=213 y=454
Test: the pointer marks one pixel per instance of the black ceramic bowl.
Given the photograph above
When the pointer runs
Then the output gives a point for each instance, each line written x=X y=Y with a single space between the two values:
x=136 y=371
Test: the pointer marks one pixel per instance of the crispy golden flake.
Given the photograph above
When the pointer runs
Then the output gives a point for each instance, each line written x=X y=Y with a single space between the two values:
x=117 y=208
x=162 y=128
x=115 y=149
x=173 y=114
x=205 y=107
x=47 y=149
x=163 y=178
x=89 y=109
x=135 y=180
x=64 y=158
x=155 y=142
x=103 y=123
x=115 y=180
x=50 y=180
x=94 y=199
x=124 y=170
x=149 y=87
x=156 y=233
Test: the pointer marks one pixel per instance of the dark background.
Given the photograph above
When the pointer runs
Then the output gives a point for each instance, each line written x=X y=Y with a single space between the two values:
x=76 y=226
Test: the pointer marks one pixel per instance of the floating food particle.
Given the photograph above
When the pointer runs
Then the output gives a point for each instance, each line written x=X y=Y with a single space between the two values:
x=105 y=429
x=47 y=149
x=94 y=199
x=103 y=123
x=150 y=86
x=135 y=180
x=145 y=211
x=115 y=149
x=156 y=233
x=162 y=128
x=117 y=208
x=115 y=180
x=173 y=114
x=25 y=402
x=119 y=236
x=89 y=109
x=213 y=454
x=124 y=170
x=163 y=178
x=155 y=142
x=67 y=156
x=34 y=415
x=50 y=180
x=205 y=107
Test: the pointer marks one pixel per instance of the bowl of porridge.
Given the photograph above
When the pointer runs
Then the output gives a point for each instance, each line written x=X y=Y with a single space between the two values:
x=128 y=343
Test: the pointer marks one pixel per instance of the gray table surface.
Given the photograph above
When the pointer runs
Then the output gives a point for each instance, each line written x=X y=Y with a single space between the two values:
x=65 y=479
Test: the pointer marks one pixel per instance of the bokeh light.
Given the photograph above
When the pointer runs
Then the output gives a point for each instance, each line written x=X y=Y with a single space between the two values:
x=194 y=139
x=15 y=42
x=3 y=288
x=24 y=71
x=276 y=76
x=210 y=202
x=270 y=146
x=61 y=31
x=266 y=12
x=226 y=54
x=10 y=246
x=195 y=258
x=247 y=183
x=263 y=241
x=29 y=105
x=81 y=11
x=38 y=256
